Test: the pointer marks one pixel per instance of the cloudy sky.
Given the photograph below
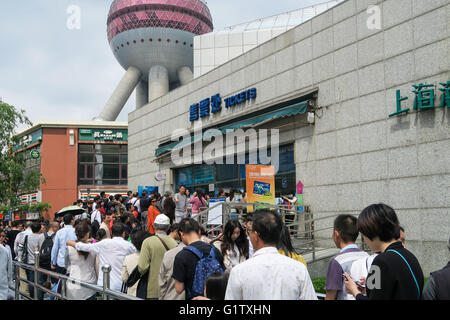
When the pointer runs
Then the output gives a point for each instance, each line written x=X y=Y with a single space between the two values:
x=59 y=74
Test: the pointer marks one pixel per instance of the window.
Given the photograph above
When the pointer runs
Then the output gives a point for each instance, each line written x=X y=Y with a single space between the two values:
x=102 y=164
x=30 y=163
x=233 y=176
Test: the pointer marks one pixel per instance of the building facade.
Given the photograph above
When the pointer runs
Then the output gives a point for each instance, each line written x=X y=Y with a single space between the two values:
x=77 y=160
x=358 y=66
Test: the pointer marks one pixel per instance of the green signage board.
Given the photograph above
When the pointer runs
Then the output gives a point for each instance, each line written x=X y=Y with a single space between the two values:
x=103 y=135
x=28 y=140
x=35 y=154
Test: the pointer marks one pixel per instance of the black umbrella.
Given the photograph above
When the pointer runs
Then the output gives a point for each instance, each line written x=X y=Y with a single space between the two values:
x=75 y=210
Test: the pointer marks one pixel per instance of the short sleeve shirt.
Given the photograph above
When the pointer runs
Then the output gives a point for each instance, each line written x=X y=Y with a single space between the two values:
x=186 y=262
x=340 y=264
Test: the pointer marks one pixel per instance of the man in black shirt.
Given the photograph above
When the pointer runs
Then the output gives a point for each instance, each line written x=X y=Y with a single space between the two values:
x=186 y=261
x=11 y=236
x=395 y=273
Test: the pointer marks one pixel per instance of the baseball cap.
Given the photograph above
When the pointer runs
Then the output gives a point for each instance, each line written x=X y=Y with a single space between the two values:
x=162 y=219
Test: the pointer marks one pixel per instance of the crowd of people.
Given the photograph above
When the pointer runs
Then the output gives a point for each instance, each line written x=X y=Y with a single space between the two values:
x=157 y=250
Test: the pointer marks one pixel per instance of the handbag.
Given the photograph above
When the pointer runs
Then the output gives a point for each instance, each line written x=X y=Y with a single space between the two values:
x=135 y=276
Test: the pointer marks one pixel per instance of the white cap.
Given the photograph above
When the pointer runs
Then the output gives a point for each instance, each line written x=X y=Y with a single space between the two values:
x=162 y=219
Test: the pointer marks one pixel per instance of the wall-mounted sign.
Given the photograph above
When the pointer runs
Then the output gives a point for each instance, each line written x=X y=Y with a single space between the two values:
x=31 y=198
x=103 y=135
x=29 y=139
x=85 y=195
x=32 y=215
x=148 y=189
x=160 y=176
x=214 y=104
x=425 y=98
x=35 y=154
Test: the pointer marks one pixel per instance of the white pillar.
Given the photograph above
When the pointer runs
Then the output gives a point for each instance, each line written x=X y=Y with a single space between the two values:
x=185 y=75
x=120 y=96
x=141 y=94
x=158 y=82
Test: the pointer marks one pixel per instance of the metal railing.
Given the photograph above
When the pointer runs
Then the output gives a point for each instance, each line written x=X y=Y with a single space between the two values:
x=103 y=291
x=302 y=225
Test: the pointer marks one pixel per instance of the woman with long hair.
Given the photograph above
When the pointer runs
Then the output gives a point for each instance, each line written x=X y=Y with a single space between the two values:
x=198 y=201
x=286 y=248
x=81 y=266
x=235 y=245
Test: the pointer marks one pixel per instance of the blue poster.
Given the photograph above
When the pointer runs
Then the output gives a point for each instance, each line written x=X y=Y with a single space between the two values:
x=261 y=188
x=148 y=189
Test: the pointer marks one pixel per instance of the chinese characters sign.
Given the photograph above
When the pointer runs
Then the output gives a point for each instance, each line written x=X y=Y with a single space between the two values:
x=103 y=135
x=425 y=98
x=214 y=104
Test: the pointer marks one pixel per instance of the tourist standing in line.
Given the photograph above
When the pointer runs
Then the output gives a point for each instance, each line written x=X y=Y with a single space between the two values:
x=152 y=254
x=169 y=206
x=81 y=266
x=395 y=273
x=59 y=244
x=345 y=233
x=234 y=247
x=269 y=275
x=131 y=261
x=286 y=248
x=153 y=212
x=438 y=285
x=180 y=204
x=166 y=290
x=198 y=201
x=186 y=260
x=27 y=247
x=110 y=252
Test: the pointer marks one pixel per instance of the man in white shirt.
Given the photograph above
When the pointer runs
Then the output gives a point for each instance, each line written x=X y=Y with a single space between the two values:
x=110 y=251
x=269 y=275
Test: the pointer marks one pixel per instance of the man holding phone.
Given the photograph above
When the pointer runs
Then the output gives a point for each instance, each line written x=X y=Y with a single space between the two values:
x=345 y=233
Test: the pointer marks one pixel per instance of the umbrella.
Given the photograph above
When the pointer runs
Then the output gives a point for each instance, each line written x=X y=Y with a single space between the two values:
x=71 y=209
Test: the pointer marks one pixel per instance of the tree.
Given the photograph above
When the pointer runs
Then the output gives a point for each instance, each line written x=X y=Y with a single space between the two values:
x=13 y=177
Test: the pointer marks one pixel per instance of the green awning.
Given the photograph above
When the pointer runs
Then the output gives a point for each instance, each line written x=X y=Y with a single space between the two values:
x=289 y=111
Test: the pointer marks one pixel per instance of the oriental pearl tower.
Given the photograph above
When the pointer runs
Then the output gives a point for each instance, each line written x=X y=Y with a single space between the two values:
x=153 y=42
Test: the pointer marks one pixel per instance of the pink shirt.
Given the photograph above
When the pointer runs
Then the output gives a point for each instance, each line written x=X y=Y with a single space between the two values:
x=197 y=204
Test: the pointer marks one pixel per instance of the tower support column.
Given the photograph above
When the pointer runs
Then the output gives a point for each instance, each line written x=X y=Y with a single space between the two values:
x=120 y=96
x=158 y=82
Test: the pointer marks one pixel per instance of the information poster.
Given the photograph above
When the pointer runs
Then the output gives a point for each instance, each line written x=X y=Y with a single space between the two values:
x=215 y=215
x=260 y=181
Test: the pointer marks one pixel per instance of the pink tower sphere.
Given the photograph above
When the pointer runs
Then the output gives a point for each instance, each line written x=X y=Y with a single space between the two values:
x=144 y=33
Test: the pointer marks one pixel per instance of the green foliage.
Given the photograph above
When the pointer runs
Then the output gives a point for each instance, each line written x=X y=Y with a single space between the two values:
x=40 y=207
x=13 y=178
x=319 y=285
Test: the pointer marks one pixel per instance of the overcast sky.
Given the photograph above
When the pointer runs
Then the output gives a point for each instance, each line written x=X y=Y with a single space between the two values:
x=59 y=74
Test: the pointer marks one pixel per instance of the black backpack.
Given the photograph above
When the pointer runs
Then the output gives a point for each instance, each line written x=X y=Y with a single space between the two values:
x=45 y=253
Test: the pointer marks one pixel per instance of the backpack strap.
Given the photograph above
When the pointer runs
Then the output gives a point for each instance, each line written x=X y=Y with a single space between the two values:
x=412 y=273
x=194 y=251
x=212 y=254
